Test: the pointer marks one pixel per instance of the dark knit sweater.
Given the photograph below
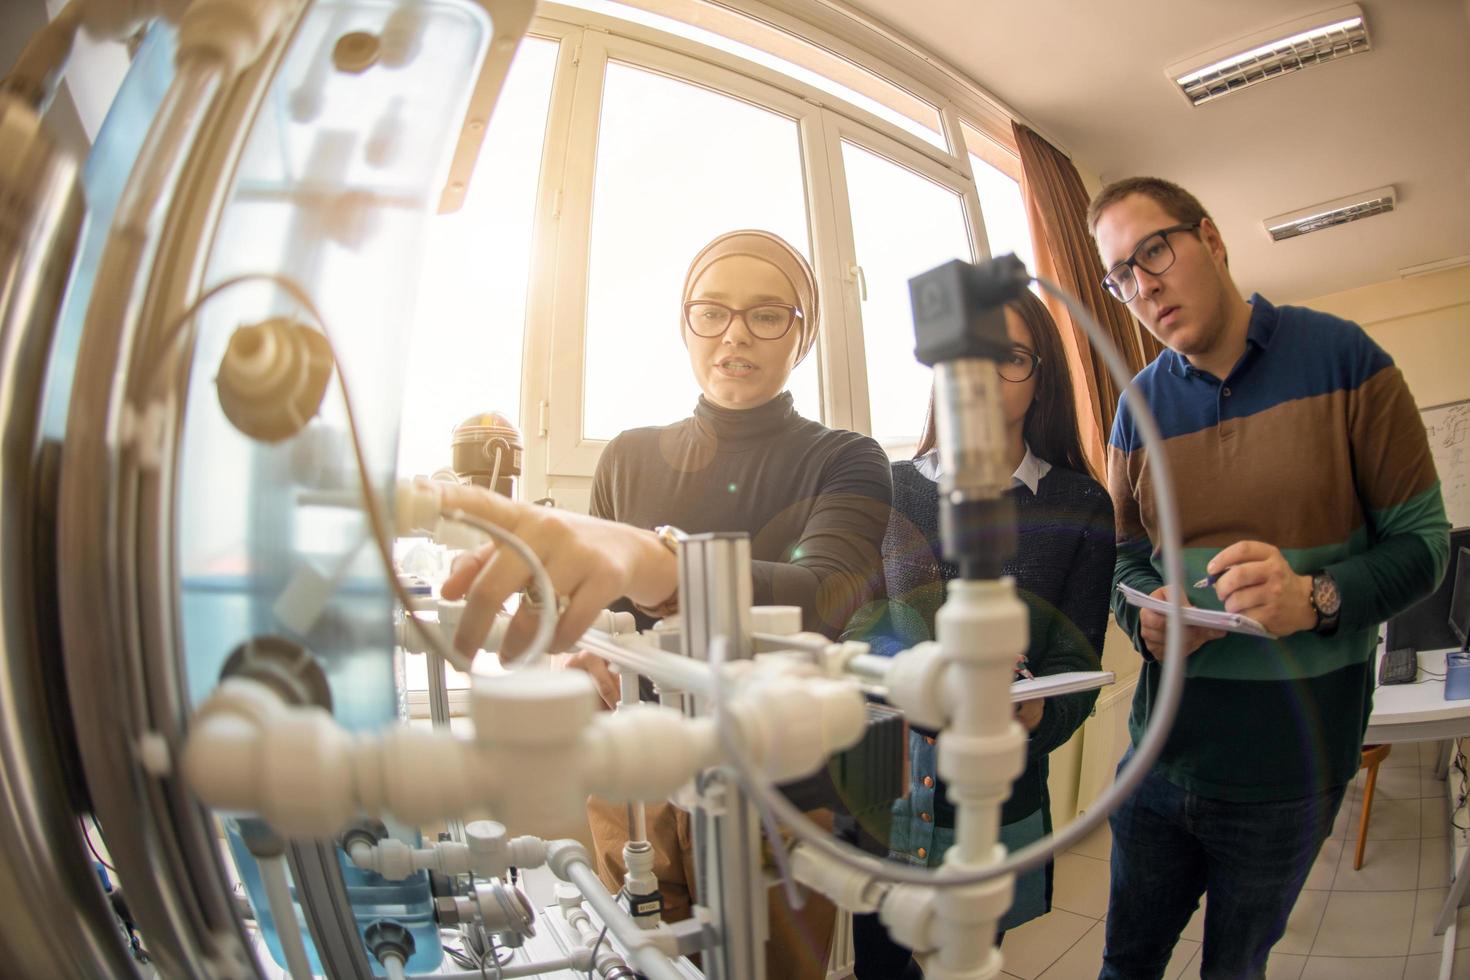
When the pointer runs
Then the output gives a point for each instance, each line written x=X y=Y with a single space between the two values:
x=814 y=500
x=1063 y=569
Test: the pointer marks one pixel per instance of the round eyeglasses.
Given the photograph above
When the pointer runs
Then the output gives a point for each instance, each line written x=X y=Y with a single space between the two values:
x=1018 y=365
x=1153 y=255
x=768 y=321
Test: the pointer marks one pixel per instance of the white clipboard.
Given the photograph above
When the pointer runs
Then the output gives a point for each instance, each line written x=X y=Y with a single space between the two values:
x=1052 y=685
x=1215 y=619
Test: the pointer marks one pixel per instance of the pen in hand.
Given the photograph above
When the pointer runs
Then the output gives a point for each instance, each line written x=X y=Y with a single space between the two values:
x=1208 y=582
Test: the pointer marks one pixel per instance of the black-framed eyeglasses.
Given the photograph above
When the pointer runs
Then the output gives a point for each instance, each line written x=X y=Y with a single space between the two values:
x=1018 y=365
x=1153 y=255
x=767 y=321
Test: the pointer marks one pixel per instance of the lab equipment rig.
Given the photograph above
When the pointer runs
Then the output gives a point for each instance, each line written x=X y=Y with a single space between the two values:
x=201 y=618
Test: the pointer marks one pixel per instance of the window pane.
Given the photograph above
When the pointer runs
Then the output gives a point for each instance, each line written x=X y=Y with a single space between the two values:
x=903 y=224
x=745 y=37
x=465 y=355
x=676 y=166
x=1001 y=203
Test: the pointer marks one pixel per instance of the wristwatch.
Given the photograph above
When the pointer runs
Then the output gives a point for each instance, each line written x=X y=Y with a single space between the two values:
x=1327 y=601
x=670 y=537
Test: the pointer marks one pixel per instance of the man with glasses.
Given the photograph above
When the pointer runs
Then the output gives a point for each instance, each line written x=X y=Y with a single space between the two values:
x=1309 y=502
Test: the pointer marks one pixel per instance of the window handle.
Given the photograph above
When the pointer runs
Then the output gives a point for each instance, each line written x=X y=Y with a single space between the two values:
x=856 y=271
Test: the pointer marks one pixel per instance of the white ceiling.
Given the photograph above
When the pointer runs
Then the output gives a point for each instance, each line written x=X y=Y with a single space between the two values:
x=1091 y=74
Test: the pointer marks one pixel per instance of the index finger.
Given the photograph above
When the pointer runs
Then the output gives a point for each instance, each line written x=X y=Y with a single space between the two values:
x=479 y=502
x=1240 y=551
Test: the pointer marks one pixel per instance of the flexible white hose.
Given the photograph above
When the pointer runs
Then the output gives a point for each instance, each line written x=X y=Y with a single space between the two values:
x=283 y=911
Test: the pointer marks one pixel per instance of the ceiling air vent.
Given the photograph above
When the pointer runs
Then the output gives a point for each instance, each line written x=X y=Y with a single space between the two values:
x=1270 y=54
x=1331 y=214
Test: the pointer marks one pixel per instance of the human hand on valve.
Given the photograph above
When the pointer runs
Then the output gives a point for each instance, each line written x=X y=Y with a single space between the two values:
x=591 y=563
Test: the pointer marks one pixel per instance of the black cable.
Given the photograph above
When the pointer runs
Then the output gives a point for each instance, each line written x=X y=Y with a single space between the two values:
x=492 y=954
x=592 y=967
x=460 y=959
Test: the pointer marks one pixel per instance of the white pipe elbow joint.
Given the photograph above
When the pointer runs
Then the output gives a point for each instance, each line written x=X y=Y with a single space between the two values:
x=527 y=852
x=916 y=685
x=618 y=764
x=308 y=787
x=418 y=775
x=791 y=725
x=967 y=908
x=855 y=891
x=982 y=763
x=250 y=753
x=561 y=853
x=907 y=912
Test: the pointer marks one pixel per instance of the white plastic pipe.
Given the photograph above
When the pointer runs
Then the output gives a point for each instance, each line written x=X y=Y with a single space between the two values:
x=665 y=669
x=393 y=968
x=646 y=959
x=578 y=961
x=606 y=958
x=278 y=896
x=629 y=691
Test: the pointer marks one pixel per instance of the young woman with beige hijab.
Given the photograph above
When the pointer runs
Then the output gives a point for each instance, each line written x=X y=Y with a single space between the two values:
x=813 y=500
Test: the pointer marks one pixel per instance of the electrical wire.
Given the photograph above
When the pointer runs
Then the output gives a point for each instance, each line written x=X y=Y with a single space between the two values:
x=460 y=960
x=595 y=947
x=546 y=610
x=592 y=966
x=491 y=953
x=495 y=472
x=87 y=836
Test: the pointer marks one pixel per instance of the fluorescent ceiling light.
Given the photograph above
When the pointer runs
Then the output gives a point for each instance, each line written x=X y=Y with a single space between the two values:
x=1270 y=54
x=1330 y=214
x=1429 y=268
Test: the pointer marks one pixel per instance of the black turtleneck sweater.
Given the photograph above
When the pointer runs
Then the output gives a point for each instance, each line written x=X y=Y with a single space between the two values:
x=814 y=500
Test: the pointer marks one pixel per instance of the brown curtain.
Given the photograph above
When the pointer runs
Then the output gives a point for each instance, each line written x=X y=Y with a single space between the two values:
x=1056 y=205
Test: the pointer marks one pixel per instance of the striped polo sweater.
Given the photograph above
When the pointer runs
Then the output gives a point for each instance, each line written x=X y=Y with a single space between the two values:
x=1312 y=444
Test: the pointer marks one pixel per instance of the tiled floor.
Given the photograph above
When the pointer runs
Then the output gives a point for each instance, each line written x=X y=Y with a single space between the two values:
x=1371 y=924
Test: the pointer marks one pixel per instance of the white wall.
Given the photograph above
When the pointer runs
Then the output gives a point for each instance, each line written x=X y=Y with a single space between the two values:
x=1423 y=323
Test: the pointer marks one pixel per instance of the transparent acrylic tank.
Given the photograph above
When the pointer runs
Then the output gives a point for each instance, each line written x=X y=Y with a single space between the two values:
x=342 y=171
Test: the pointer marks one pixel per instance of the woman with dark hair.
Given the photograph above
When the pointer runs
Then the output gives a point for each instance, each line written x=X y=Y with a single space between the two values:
x=1063 y=569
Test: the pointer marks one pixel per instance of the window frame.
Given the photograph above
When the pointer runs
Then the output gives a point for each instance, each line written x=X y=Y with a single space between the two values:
x=559 y=461
x=839 y=130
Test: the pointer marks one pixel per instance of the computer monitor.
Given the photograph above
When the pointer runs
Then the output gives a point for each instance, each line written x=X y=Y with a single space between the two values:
x=1460 y=601
x=1426 y=624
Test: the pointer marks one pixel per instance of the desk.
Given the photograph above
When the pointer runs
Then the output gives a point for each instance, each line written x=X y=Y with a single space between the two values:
x=1419 y=713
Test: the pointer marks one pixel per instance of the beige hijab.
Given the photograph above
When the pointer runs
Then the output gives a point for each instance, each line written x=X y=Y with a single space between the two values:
x=773 y=249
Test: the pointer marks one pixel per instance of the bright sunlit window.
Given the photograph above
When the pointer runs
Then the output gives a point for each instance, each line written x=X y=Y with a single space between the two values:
x=903 y=224
x=677 y=165
x=465 y=345
x=1001 y=203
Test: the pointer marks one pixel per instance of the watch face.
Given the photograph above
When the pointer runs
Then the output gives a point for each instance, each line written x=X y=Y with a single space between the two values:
x=1325 y=595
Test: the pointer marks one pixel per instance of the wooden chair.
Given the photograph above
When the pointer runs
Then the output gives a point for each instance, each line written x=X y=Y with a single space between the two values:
x=1373 y=756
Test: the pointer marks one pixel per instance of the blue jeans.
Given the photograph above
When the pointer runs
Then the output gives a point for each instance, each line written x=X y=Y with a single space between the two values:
x=1170 y=847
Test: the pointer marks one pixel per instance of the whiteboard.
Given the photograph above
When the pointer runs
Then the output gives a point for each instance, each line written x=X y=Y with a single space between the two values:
x=1448 y=428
